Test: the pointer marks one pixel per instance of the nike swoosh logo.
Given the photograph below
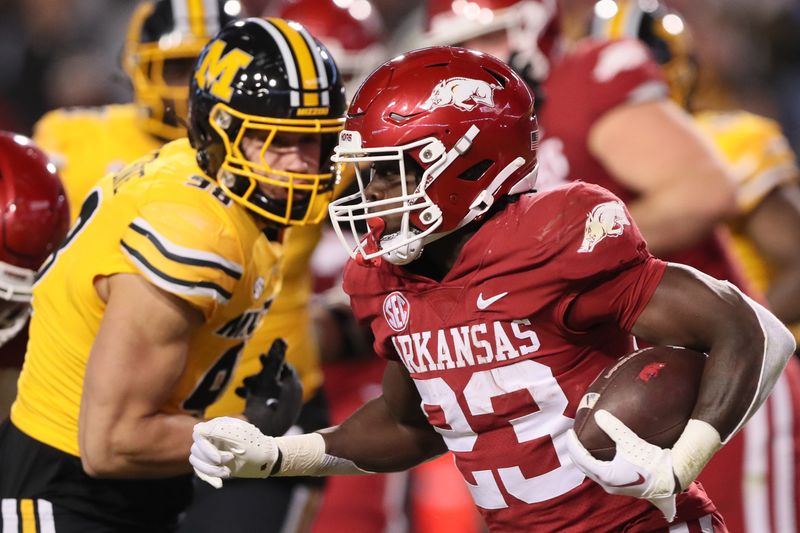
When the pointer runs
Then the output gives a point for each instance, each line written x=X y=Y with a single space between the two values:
x=483 y=304
x=637 y=481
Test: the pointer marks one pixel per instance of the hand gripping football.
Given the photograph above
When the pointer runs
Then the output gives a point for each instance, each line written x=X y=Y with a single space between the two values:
x=653 y=391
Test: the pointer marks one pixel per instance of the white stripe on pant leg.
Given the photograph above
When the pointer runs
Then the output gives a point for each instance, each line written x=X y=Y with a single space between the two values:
x=755 y=506
x=44 y=513
x=297 y=508
x=706 y=524
x=783 y=472
x=683 y=527
x=10 y=518
x=394 y=496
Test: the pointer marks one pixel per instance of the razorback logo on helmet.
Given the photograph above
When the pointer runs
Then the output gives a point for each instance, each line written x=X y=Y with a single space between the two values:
x=396 y=310
x=619 y=57
x=605 y=220
x=463 y=93
x=217 y=71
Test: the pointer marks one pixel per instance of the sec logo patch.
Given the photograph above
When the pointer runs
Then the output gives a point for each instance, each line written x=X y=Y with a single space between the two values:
x=396 y=310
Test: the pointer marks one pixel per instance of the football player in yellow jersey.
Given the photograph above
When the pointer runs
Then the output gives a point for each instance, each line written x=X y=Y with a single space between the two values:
x=142 y=314
x=87 y=143
x=766 y=239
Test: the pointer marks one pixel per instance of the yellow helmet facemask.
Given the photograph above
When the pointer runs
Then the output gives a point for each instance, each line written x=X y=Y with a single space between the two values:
x=304 y=197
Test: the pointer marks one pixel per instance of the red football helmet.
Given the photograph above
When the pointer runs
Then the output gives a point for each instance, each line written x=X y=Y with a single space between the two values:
x=531 y=27
x=352 y=35
x=35 y=219
x=464 y=117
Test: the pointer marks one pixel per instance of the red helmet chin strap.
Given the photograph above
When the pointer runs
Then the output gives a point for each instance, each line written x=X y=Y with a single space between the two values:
x=376 y=226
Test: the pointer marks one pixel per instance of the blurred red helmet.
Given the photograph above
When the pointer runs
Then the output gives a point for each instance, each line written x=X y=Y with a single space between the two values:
x=352 y=34
x=464 y=117
x=35 y=219
x=531 y=28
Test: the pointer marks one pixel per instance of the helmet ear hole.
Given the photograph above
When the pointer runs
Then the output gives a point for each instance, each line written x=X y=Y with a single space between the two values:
x=477 y=170
x=502 y=80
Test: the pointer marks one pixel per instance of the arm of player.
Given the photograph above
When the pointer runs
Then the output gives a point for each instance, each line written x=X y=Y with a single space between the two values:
x=684 y=186
x=137 y=358
x=747 y=346
x=747 y=349
x=389 y=433
x=774 y=228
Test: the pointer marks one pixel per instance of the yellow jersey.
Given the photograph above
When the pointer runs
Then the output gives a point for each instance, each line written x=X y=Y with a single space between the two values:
x=160 y=218
x=762 y=161
x=86 y=143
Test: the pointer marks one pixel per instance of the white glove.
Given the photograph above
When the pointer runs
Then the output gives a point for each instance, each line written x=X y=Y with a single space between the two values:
x=639 y=469
x=227 y=447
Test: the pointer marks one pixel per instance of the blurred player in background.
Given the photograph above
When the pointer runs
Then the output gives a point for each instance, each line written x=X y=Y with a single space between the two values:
x=142 y=315
x=161 y=47
x=35 y=219
x=766 y=238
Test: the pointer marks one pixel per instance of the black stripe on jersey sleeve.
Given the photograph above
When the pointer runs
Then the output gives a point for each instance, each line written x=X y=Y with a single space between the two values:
x=181 y=259
x=166 y=277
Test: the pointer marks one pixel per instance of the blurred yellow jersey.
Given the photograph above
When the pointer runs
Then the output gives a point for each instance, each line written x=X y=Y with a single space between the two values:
x=88 y=143
x=160 y=218
x=762 y=161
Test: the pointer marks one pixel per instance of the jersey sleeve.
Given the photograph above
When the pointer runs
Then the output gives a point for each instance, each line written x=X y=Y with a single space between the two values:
x=757 y=149
x=608 y=272
x=185 y=251
x=618 y=72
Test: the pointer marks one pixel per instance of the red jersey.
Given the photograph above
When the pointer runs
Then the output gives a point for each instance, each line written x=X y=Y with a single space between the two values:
x=499 y=371
x=594 y=79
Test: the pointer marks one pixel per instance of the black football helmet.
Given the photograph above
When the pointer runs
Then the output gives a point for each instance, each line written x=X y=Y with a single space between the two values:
x=164 y=39
x=264 y=77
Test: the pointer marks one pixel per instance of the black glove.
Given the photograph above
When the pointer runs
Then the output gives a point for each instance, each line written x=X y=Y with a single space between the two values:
x=274 y=396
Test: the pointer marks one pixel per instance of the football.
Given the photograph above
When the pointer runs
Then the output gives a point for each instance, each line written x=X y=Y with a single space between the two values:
x=653 y=391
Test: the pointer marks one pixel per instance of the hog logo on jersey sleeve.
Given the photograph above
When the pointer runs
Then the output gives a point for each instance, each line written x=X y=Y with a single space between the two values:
x=605 y=220
x=396 y=310
x=463 y=93
x=619 y=57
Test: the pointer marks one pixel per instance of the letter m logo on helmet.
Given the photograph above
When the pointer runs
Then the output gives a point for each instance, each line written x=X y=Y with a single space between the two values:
x=217 y=70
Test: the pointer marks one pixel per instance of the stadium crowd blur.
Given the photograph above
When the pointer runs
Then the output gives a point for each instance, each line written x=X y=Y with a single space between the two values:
x=61 y=53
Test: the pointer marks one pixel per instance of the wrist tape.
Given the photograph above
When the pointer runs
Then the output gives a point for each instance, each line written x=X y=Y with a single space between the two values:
x=304 y=455
x=695 y=447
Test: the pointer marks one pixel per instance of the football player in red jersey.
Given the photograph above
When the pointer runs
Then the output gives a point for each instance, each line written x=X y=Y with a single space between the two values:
x=607 y=118
x=495 y=309
x=35 y=219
